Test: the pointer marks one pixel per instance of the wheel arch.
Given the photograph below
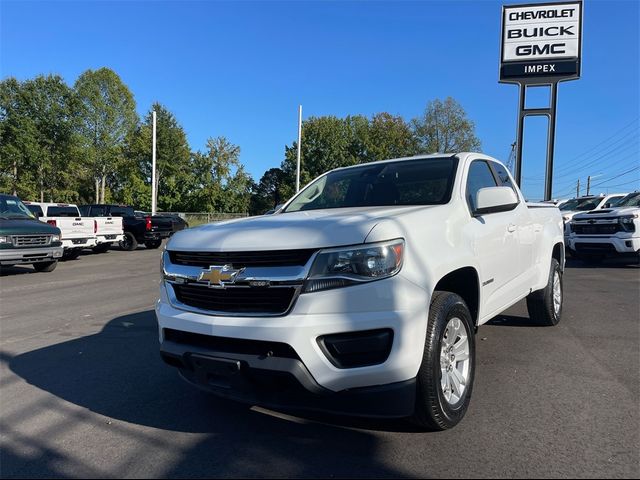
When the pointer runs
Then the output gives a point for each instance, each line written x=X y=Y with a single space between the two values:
x=558 y=254
x=465 y=282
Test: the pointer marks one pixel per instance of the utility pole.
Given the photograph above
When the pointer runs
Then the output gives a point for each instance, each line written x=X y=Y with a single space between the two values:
x=299 y=142
x=588 y=184
x=153 y=168
x=578 y=189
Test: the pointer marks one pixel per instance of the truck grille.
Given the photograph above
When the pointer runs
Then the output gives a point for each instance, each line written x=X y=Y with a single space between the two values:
x=30 y=240
x=278 y=258
x=595 y=229
x=237 y=300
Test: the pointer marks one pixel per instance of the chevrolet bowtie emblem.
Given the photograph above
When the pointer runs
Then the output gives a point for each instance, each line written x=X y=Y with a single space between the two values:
x=219 y=276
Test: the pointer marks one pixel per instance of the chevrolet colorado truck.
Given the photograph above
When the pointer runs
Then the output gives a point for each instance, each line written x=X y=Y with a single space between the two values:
x=150 y=230
x=605 y=233
x=76 y=232
x=24 y=240
x=363 y=293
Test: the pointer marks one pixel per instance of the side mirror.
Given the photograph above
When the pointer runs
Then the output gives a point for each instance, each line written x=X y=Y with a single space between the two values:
x=494 y=200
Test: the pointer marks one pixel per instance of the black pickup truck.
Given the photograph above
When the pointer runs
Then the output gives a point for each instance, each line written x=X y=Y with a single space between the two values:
x=150 y=230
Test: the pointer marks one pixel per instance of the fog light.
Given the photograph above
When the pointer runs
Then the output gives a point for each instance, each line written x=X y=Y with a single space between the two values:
x=357 y=349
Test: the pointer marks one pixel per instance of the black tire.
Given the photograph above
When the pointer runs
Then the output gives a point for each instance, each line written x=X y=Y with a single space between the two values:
x=432 y=410
x=71 y=254
x=129 y=243
x=540 y=303
x=103 y=247
x=152 y=244
x=45 y=266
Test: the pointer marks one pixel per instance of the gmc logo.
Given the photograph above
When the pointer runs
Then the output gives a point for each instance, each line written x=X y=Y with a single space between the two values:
x=548 y=49
x=78 y=224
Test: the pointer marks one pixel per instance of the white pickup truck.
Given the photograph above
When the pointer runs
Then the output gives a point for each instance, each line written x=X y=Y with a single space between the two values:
x=363 y=293
x=77 y=232
x=608 y=232
x=109 y=229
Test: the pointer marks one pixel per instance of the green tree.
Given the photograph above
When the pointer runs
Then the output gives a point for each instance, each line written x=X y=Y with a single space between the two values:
x=108 y=113
x=445 y=128
x=266 y=194
x=331 y=142
x=220 y=183
x=38 y=137
x=174 y=179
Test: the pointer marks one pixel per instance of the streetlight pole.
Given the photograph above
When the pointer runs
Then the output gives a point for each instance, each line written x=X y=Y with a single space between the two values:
x=299 y=142
x=153 y=168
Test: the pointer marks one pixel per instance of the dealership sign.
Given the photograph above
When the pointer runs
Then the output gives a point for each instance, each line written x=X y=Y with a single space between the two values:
x=541 y=43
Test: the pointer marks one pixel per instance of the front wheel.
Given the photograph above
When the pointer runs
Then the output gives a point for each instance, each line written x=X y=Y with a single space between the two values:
x=545 y=306
x=45 y=266
x=445 y=378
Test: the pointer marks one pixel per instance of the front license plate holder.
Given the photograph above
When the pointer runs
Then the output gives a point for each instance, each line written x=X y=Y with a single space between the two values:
x=216 y=371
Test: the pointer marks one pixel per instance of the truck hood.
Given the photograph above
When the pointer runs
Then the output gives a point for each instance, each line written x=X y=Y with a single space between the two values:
x=295 y=230
x=608 y=213
x=26 y=227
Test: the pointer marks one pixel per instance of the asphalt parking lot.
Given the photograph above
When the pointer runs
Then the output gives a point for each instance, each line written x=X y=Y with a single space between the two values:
x=83 y=392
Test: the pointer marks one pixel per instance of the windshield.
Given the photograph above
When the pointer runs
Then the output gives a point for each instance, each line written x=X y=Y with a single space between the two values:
x=11 y=207
x=631 y=200
x=581 y=204
x=407 y=182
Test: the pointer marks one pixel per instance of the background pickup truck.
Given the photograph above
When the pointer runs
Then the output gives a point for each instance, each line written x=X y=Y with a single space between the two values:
x=77 y=232
x=150 y=230
x=24 y=240
x=605 y=233
x=363 y=293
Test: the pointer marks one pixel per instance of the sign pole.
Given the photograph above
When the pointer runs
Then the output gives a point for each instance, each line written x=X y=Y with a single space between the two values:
x=520 y=135
x=153 y=168
x=551 y=142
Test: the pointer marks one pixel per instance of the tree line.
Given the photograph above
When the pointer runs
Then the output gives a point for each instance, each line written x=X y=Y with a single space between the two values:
x=86 y=143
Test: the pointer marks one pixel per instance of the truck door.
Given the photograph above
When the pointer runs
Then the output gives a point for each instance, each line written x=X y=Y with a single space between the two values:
x=494 y=240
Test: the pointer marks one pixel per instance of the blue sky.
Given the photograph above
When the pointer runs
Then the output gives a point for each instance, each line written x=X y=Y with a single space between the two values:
x=240 y=69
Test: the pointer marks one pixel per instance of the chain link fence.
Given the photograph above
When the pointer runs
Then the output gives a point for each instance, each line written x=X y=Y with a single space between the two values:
x=198 y=218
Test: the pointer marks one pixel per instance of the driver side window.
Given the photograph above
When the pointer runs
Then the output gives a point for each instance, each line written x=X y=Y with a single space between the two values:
x=480 y=176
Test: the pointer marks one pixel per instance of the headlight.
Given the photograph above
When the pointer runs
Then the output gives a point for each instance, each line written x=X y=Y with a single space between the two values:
x=5 y=239
x=627 y=222
x=340 y=267
x=55 y=238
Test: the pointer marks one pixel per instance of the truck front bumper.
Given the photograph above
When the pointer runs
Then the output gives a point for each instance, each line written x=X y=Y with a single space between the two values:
x=621 y=244
x=305 y=377
x=17 y=256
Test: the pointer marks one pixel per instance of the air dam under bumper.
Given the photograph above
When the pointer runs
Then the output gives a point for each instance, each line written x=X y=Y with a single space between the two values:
x=395 y=303
x=283 y=383
x=620 y=244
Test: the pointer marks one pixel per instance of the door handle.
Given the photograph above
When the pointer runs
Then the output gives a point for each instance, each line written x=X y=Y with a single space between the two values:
x=511 y=228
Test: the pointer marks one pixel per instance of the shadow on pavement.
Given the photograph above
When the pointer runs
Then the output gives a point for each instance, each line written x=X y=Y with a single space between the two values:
x=118 y=373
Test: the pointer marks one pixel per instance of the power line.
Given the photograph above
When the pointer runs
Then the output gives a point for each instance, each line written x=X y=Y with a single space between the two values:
x=617 y=176
x=605 y=140
x=599 y=156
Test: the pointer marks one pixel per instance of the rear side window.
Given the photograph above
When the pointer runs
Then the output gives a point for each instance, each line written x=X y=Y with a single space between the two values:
x=96 y=211
x=121 y=211
x=63 y=212
x=480 y=176
x=36 y=210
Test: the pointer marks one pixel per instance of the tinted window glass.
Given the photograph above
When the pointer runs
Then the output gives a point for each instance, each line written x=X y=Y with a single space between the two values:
x=631 y=200
x=96 y=212
x=480 y=176
x=408 y=182
x=62 y=212
x=36 y=210
x=121 y=211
